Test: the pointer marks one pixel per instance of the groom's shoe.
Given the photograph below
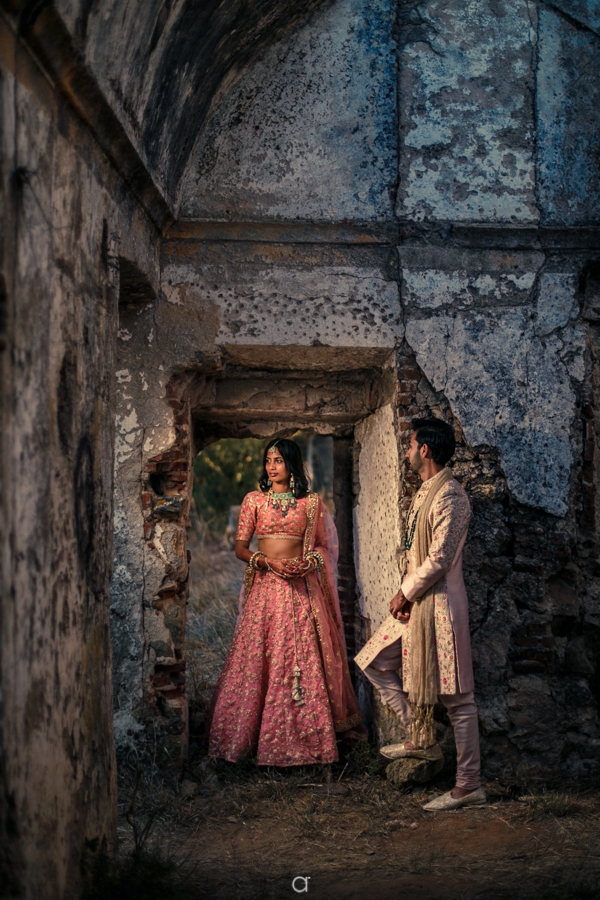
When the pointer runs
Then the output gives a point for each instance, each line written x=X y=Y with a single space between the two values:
x=447 y=801
x=400 y=751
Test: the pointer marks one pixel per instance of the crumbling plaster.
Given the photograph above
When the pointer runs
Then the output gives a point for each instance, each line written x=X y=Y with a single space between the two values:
x=309 y=131
x=161 y=65
x=512 y=373
x=376 y=515
x=467 y=112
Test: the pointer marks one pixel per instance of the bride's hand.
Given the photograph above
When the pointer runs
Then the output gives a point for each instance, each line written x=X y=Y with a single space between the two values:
x=300 y=569
x=278 y=566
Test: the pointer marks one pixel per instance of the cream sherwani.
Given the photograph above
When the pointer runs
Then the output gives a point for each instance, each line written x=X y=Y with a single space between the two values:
x=448 y=519
x=388 y=651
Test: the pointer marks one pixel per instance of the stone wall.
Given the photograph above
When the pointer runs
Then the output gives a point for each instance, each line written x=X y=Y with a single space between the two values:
x=65 y=217
x=60 y=273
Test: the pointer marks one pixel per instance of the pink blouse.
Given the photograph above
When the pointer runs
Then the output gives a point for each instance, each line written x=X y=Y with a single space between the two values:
x=258 y=516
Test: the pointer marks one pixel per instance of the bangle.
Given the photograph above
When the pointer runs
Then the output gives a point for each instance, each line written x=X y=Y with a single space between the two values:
x=315 y=556
x=253 y=561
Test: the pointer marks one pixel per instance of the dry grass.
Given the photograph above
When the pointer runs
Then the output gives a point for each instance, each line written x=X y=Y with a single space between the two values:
x=215 y=580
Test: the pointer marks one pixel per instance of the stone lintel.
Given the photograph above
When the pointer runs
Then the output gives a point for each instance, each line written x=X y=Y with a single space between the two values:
x=500 y=237
x=390 y=233
x=305 y=360
x=285 y=232
x=208 y=429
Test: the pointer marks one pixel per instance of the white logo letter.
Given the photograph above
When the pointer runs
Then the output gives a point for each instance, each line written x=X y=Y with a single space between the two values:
x=302 y=890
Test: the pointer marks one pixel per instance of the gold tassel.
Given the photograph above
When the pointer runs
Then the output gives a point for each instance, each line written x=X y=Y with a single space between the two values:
x=421 y=725
x=248 y=581
x=297 y=689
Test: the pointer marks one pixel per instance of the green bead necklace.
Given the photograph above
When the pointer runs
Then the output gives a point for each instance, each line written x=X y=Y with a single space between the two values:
x=283 y=502
x=409 y=534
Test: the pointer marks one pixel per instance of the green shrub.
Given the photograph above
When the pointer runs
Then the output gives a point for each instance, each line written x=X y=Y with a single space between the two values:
x=223 y=474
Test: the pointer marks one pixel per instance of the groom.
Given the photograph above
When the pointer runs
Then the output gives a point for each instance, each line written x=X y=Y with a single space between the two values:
x=426 y=636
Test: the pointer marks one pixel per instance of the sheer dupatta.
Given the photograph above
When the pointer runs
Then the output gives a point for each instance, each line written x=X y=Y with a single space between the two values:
x=321 y=535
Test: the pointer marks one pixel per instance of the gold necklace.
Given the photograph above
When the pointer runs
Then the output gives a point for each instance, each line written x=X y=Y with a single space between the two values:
x=282 y=502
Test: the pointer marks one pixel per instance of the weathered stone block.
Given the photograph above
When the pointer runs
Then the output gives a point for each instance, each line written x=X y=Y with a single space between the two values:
x=265 y=296
x=578 y=658
x=564 y=600
x=404 y=773
x=511 y=375
x=467 y=120
x=568 y=117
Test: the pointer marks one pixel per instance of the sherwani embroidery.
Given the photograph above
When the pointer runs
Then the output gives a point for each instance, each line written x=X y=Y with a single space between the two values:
x=449 y=519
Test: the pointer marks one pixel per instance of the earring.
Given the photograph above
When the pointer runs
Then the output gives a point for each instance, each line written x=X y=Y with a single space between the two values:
x=269 y=483
x=292 y=483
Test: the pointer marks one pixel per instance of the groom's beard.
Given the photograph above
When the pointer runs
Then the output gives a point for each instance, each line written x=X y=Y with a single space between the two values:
x=416 y=464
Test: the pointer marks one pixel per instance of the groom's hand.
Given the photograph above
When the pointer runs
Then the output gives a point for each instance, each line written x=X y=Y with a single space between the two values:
x=397 y=605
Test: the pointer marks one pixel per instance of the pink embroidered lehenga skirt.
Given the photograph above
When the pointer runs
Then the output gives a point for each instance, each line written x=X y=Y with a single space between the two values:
x=284 y=624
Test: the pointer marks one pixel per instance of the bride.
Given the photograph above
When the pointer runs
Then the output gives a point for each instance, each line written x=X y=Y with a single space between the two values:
x=285 y=689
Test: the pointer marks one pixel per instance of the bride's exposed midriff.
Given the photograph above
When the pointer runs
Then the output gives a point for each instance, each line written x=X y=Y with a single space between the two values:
x=277 y=549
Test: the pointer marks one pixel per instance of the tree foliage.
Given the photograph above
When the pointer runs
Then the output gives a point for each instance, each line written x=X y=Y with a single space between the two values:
x=223 y=474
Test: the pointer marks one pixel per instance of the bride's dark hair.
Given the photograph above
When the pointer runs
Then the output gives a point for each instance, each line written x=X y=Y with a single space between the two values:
x=292 y=456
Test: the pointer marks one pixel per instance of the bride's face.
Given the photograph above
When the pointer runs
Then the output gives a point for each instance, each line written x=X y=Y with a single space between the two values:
x=276 y=469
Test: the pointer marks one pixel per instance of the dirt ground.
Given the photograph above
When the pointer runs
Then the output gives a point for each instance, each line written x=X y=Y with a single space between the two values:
x=240 y=832
x=343 y=832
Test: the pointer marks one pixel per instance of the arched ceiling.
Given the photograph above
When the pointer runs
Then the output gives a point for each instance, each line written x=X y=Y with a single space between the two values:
x=162 y=63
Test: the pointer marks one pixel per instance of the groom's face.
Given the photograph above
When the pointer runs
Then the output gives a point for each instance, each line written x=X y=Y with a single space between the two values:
x=413 y=454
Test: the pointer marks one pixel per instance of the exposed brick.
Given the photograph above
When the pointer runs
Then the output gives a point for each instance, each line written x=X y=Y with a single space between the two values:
x=540 y=630
x=410 y=374
x=528 y=565
x=589 y=492
x=523 y=641
x=173 y=667
x=543 y=656
x=529 y=667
